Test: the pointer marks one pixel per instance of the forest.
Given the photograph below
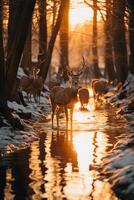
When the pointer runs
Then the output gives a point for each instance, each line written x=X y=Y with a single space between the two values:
x=68 y=44
x=21 y=21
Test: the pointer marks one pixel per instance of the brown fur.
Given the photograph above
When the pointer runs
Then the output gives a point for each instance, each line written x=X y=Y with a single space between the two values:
x=83 y=96
x=62 y=98
x=100 y=87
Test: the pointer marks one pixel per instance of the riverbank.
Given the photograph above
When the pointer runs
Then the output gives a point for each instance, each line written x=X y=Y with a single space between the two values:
x=118 y=166
x=12 y=140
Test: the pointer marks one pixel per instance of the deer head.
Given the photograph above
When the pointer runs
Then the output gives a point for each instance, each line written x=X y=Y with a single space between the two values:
x=35 y=72
x=76 y=73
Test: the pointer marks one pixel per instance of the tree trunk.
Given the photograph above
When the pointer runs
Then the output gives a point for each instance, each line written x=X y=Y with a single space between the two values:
x=109 y=63
x=22 y=19
x=131 y=36
x=3 y=99
x=11 y=26
x=45 y=69
x=64 y=40
x=27 y=52
x=96 y=70
x=42 y=32
x=119 y=42
x=54 y=12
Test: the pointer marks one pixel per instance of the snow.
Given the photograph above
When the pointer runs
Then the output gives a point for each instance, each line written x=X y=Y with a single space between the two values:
x=12 y=140
x=118 y=166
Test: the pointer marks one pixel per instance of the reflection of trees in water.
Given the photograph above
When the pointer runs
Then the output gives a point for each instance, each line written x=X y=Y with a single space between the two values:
x=41 y=158
x=20 y=174
x=94 y=162
x=15 y=166
x=3 y=170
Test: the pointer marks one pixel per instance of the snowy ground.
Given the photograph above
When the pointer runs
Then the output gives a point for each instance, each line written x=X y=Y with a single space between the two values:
x=118 y=167
x=12 y=140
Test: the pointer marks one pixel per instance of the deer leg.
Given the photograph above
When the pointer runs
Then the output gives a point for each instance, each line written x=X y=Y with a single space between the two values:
x=71 y=117
x=66 y=113
x=53 y=111
x=57 y=115
x=38 y=96
x=94 y=95
x=35 y=96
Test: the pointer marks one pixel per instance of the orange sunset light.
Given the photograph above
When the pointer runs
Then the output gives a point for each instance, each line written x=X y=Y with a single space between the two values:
x=79 y=14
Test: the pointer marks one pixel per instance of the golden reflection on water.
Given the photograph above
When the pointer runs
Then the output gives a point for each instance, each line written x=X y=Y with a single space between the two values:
x=84 y=148
x=61 y=163
x=8 y=189
x=68 y=159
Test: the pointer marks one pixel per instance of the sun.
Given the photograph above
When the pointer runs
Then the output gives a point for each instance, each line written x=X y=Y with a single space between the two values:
x=79 y=15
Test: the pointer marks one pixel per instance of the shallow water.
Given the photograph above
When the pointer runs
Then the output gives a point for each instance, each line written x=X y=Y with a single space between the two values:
x=61 y=165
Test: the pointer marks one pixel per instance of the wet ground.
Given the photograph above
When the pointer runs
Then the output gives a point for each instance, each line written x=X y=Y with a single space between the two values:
x=61 y=165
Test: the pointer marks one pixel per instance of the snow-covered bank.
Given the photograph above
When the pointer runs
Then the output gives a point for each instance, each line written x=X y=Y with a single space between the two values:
x=118 y=166
x=12 y=140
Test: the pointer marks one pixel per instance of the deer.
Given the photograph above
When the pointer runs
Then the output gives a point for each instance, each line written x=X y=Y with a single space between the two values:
x=26 y=86
x=100 y=87
x=38 y=85
x=75 y=74
x=65 y=98
x=83 y=97
x=52 y=84
x=32 y=85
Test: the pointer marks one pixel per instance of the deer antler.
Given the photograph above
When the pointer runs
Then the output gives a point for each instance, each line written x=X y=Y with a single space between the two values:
x=69 y=70
x=83 y=61
x=80 y=71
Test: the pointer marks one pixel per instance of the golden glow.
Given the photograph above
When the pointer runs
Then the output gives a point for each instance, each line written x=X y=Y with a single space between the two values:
x=80 y=14
x=84 y=148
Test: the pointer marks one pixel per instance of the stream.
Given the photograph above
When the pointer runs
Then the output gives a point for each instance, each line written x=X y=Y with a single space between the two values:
x=60 y=165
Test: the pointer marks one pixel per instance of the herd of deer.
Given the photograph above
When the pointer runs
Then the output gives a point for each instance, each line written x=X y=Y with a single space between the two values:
x=63 y=99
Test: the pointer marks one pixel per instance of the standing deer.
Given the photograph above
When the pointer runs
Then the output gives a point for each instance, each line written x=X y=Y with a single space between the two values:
x=75 y=74
x=26 y=85
x=32 y=85
x=63 y=99
x=100 y=87
x=83 y=97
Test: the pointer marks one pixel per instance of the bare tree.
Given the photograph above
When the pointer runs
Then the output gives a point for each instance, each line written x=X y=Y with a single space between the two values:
x=109 y=63
x=55 y=31
x=27 y=52
x=42 y=31
x=11 y=27
x=64 y=40
x=119 y=41
x=96 y=70
x=3 y=99
x=131 y=35
x=22 y=19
